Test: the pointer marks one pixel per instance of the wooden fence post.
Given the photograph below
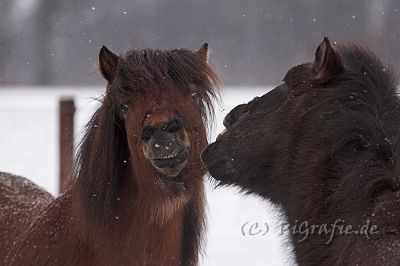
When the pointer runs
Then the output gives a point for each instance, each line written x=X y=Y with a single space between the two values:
x=66 y=129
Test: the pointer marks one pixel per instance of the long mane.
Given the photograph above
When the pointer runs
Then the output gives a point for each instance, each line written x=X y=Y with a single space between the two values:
x=362 y=106
x=143 y=70
x=365 y=100
x=103 y=149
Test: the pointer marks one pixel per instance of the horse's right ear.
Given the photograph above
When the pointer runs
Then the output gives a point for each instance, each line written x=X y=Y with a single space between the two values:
x=327 y=62
x=108 y=63
x=203 y=52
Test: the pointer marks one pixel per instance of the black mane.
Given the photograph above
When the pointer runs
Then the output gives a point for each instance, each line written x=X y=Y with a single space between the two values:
x=362 y=101
x=360 y=108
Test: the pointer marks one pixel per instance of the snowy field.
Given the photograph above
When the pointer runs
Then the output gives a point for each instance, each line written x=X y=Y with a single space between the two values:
x=29 y=147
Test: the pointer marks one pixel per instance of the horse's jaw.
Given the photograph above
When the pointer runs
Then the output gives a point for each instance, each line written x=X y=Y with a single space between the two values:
x=171 y=167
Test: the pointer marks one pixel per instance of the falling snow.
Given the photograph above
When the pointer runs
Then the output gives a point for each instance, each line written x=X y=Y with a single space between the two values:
x=223 y=223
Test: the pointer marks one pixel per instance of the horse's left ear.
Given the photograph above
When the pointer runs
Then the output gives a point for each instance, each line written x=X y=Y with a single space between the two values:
x=108 y=64
x=203 y=52
x=327 y=62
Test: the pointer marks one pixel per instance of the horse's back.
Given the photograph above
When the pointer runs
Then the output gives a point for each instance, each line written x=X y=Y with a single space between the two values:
x=20 y=203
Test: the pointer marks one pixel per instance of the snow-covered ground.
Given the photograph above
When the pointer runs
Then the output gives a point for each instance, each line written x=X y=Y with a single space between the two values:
x=29 y=147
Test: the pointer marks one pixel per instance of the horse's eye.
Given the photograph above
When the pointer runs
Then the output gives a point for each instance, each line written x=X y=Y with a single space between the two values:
x=195 y=97
x=124 y=108
x=174 y=126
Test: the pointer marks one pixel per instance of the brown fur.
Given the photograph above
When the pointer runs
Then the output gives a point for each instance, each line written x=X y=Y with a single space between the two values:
x=160 y=118
x=119 y=210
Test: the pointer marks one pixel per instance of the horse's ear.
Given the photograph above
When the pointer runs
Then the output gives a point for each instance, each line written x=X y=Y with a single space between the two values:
x=108 y=63
x=327 y=62
x=203 y=52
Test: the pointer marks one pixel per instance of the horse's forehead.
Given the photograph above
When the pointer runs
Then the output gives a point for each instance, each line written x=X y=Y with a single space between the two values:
x=162 y=107
x=163 y=92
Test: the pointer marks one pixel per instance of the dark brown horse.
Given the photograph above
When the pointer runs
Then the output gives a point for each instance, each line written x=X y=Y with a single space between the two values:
x=138 y=195
x=325 y=146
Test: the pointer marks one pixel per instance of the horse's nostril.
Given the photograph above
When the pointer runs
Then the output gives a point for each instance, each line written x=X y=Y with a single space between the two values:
x=227 y=121
x=147 y=133
x=235 y=114
x=174 y=126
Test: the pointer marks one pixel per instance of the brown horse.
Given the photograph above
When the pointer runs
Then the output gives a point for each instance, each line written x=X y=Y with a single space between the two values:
x=325 y=146
x=138 y=195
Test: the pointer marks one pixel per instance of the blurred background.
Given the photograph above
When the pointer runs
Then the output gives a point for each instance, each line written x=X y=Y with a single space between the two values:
x=252 y=42
x=49 y=50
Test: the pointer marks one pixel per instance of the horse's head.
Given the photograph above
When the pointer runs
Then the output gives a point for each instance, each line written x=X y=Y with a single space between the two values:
x=161 y=99
x=164 y=137
x=248 y=153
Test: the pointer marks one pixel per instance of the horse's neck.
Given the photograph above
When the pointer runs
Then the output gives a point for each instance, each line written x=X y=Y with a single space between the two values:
x=144 y=230
x=134 y=240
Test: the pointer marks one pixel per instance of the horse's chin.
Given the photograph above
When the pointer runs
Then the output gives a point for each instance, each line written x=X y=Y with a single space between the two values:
x=219 y=165
x=173 y=179
x=172 y=172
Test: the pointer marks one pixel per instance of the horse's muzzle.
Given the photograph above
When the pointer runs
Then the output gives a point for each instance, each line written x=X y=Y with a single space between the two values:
x=171 y=162
x=171 y=166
